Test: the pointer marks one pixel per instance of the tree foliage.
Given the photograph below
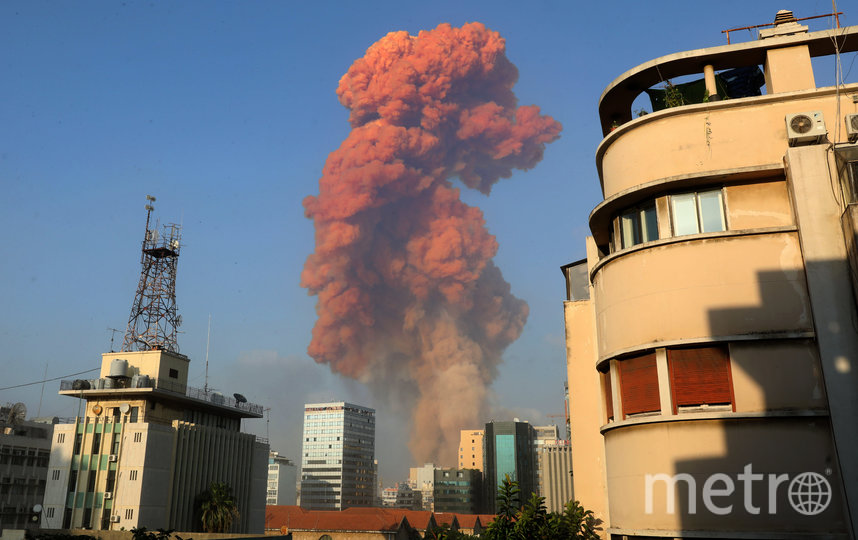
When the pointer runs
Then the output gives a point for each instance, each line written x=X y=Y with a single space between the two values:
x=217 y=508
x=532 y=521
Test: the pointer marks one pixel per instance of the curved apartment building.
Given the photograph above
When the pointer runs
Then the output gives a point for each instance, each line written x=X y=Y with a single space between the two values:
x=712 y=347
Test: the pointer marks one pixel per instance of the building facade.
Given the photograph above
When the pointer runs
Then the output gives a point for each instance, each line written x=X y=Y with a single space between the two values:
x=338 y=457
x=508 y=452
x=554 y=464
x=471 y=449
x=711 y=341
x=25 y=448
x=282 y=481
x=147 y=446
x=458 y=491
x=422 y=479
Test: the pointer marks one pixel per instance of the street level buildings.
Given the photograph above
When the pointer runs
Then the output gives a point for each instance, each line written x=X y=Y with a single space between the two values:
x=711 y=342
x=338 y=457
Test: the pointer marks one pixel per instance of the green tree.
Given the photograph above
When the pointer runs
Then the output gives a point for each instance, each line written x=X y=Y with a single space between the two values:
x=508 y=508
x=217 y=508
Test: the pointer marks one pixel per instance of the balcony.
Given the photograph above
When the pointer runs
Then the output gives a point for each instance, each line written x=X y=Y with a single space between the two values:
x=85 y=387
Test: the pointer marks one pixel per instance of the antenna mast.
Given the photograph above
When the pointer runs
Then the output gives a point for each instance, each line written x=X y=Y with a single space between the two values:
x=154 y=320
x=208 y=337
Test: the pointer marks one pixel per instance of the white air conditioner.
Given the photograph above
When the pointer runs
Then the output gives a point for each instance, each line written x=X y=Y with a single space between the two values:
x=108 y=495
x=114 y=519
x=112 y=457
x=852 y=127
x=805 y=128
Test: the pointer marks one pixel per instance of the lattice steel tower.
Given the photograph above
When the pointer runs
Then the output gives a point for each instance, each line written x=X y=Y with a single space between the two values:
x=154 y=320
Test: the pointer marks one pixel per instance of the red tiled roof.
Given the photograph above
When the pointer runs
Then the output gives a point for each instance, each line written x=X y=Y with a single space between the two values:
x=446 y=518
x=467 y=521
x=295 y=518
x=419 y=519
x=485 y=519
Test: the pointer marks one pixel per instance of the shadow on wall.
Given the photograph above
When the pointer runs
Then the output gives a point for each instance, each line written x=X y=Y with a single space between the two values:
x=774 y=464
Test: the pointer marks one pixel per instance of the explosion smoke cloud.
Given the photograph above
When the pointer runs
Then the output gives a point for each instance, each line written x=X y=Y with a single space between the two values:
x=408 y=296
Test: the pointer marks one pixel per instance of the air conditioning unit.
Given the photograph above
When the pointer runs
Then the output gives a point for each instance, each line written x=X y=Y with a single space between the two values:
x=114 y=519
x=852 y=127
x=108 y=495
x=112 y=457
x=805 y=128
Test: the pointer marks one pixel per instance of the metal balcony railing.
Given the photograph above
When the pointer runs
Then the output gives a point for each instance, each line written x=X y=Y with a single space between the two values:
x=170 y=386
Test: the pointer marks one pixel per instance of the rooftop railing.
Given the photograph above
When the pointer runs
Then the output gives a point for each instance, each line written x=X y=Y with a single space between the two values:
x=200 y=394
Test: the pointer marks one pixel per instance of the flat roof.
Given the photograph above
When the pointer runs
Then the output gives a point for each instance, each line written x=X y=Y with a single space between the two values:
x=615 y=103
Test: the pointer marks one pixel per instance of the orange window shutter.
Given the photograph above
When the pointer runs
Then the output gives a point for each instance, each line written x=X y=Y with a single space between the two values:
x=639 y=384
x=700 y=376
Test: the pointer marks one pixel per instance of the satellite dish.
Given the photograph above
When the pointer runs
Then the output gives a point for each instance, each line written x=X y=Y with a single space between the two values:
x=37 y=508
x=125 y=408
x=17 y=414
x=239 y=398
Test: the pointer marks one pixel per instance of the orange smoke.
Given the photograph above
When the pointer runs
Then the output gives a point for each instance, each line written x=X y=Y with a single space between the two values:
x=409 y=298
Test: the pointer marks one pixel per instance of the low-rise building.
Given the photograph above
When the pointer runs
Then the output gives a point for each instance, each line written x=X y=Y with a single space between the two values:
x=458 y=490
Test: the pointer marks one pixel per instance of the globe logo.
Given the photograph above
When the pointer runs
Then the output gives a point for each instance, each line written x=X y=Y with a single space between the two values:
x=809 y=493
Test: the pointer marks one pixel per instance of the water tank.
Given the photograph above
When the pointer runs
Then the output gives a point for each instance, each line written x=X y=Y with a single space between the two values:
x=109 y=383
x=218 y=398
x=142 y=381
x=99 y=384
x=118 y=368
x=135 y=379
x=80 y=384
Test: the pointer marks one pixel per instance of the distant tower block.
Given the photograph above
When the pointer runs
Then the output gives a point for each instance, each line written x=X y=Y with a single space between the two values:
x=154 y=320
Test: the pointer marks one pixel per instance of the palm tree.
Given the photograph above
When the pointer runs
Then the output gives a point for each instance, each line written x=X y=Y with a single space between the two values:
x=217 y=508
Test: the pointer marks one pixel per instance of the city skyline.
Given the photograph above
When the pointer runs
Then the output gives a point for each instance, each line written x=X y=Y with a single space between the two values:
x=226 y=115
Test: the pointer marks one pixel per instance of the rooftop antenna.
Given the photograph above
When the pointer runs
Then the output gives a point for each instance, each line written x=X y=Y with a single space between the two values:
x=112 y=336
x=267 y=411
x=154 y=320
x=208 y=337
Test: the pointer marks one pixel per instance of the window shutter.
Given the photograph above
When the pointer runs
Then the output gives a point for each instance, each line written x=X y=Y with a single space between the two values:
x=639 y=384
x=700 y=376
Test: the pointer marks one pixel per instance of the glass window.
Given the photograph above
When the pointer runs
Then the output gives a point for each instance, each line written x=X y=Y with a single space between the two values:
x=638 y=225
x=693 y=213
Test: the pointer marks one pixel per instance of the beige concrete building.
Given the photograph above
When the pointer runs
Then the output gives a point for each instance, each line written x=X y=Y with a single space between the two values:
x=25 y=447
x=471 y=449
x=711 y=330
x=554 y=473
x=146 y=445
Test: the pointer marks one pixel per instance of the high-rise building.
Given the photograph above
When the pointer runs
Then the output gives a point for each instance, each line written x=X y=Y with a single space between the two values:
x=554 y=461
x=542 y=436
x=471 y=449
x=25 y=448
x=337 y=463
x=508 y=451
x=711 y=343
x=282 y=480
x=147 y=445
x=422 y=479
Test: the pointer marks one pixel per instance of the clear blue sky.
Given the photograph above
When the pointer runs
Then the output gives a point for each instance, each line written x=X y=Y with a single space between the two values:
x=226 y=111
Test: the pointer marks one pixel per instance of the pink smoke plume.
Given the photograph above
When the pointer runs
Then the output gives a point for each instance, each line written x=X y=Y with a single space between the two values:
x=409 y=299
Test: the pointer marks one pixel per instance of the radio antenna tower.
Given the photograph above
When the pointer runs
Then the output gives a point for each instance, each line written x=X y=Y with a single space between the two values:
x=154 y=320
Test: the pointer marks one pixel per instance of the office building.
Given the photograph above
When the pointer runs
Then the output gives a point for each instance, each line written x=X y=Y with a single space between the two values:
x=711 y=343
x=25 y=448
x=422 y=479
x=458 y=491
x=338 y=457
x=471 y=449
x=282 y=480
x=147 y=445
x=554 y=468
x=508 y=452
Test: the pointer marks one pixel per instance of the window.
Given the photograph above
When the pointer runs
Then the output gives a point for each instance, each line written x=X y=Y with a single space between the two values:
x=129 y=513
x=132 y=475
x=78 y=439
x=90 y=482
x=49 y=512
x=96 y=443
x=138 y=437
x=133 y=416
x=73 y=481
x=698 y=212
x=174 y=373
x=61 y=438
x=700 y=376
x=609 y=395
x=55 y=474
x=639 y=385
x=638 y=225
